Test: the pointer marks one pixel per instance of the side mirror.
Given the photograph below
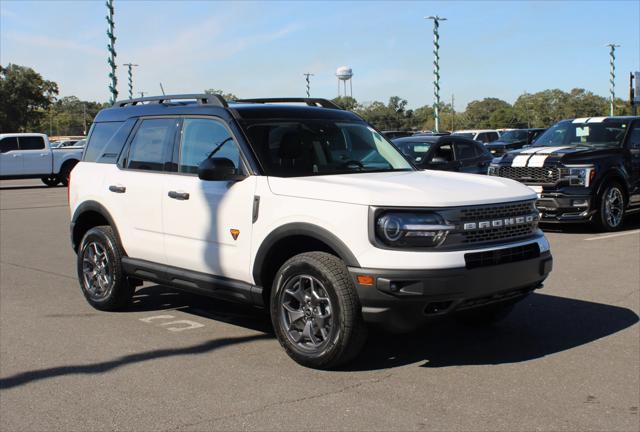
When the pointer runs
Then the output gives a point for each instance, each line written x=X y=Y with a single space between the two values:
x=219 y=169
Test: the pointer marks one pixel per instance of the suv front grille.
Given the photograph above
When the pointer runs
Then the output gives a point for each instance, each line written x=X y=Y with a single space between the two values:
x=539 y=175
x=497 y=211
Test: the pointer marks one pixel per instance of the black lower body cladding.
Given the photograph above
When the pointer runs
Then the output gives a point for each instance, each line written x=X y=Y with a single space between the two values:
x=402 y=300
x=562 y=207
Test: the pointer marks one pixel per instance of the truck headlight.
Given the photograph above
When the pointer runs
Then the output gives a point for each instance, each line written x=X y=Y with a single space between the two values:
x=581 y=175
x=493 y=170
x=409 y=229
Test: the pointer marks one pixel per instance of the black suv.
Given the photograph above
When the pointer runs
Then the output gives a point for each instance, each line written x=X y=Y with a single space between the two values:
x=445 y=152
x=513 y=140
x=583 y=169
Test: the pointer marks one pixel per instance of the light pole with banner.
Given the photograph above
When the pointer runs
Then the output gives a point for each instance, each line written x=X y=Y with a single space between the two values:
x=436 y=69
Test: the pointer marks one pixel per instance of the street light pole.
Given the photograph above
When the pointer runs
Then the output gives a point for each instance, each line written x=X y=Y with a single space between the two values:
x=112 y=52
x=307 y=75
x=130 y=66
x=436 y=69
x=612 y=75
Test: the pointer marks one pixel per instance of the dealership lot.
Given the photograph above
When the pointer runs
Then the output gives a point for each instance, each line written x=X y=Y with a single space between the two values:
x=566 y=359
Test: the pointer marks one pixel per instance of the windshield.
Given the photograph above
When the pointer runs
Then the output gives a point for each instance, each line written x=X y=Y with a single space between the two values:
x=513 y=135
x=464 y=134
x=603 y=134
x=319 y=147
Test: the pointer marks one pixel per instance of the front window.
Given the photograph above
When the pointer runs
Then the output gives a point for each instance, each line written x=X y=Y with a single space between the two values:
x=319 y=147
x=513 y=136
x=608 y=133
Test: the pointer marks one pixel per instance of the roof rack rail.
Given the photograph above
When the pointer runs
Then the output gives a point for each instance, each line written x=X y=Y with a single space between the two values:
x=324 y=103
x=201 y=99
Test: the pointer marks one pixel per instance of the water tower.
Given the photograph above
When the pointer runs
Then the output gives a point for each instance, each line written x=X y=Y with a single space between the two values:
x=344 y=74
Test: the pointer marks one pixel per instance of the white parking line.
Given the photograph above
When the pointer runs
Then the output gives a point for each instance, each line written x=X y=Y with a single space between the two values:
x=613 y=235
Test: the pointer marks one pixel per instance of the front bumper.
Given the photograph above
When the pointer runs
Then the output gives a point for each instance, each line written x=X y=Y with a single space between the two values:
x=402 y=300
x=562 y=207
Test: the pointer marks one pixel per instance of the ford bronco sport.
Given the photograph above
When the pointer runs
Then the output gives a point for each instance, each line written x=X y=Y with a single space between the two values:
x=301 y=208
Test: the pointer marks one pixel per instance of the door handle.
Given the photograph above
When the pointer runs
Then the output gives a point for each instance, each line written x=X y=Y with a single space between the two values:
x=178 y=195
x=117 y=189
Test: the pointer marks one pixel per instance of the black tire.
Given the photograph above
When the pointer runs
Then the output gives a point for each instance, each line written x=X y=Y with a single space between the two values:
x=114 y=295
x=603 y=218
x=65 y=172
x=346 y=333
x=487 y=315
x=50 y=181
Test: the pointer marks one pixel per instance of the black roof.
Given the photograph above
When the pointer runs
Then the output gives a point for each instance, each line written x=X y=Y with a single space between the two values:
x=274 y=108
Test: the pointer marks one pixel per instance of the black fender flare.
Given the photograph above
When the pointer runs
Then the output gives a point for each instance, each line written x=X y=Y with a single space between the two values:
x=93 y=206
x=301 y=229
x=613 y=173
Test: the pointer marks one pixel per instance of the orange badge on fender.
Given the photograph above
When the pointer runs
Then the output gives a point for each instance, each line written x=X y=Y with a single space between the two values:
x=235 y=233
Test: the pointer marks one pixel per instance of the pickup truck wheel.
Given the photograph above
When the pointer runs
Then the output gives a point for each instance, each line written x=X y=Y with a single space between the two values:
x=611 y=205
x=102 y=280
x=65 y=172
x=50 y=180
x=316 y=312
x=487 y=315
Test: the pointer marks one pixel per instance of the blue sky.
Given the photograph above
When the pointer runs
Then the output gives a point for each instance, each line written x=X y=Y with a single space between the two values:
x=261 y=49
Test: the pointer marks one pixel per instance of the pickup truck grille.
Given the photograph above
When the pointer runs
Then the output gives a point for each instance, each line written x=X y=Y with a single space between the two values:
x=531 y=175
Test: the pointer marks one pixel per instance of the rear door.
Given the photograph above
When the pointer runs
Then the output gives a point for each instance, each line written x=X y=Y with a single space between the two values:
x=10 y=157
x=134 y=187
x=36 y=156
x=208 y=224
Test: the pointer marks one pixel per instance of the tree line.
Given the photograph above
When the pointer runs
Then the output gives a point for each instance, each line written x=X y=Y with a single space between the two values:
x=29 y=103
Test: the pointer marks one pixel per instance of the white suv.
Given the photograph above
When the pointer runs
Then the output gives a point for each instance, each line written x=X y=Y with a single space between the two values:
x=305 y=210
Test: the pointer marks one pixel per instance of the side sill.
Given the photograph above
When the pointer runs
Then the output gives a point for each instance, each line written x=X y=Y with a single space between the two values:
x=194 y=282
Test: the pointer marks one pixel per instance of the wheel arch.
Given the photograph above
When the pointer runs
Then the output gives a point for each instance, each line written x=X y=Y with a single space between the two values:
x=289 y=240
x=613 y=175
x=90 y=214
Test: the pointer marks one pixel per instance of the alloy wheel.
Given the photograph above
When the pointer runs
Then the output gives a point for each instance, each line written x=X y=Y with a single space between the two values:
x=97 y=271
x=613 y=206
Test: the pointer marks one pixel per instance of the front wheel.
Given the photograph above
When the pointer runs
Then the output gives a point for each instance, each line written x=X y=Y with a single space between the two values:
x=102 y=280
x=50 y=181
x=316 y=312
x=611 y=204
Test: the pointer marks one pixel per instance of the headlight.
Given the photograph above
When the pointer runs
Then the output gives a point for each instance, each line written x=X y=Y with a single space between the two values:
x=578 y=175
x=407 y=229
x=493 y=170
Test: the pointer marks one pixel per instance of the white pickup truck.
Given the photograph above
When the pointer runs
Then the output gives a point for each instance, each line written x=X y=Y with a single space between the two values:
x=29 y=155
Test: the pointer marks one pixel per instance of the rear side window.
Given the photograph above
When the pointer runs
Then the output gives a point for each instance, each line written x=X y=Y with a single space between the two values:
x=465 y=151
x=31 y=143
x=492 y=136
x=151 y=146
x=105 y=142
x=8 y=144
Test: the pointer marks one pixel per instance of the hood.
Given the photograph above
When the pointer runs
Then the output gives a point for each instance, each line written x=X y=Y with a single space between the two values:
x=543 y=155
x=404 y=189
x=504 y=144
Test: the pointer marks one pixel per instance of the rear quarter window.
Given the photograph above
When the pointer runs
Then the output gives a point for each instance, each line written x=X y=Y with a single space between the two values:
x=106 y=141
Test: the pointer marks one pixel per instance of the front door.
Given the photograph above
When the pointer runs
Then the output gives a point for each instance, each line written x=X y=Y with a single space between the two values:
x=36 y=157
x=207 y=224
x=10 y=157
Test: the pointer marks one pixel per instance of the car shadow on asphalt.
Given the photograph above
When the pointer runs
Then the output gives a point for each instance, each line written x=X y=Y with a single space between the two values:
x=539 y=326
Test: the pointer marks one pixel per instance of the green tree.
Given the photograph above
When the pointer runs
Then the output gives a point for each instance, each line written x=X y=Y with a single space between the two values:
x=489 y=113
x=346 y=102
x=24 y=98
x=70 y=116
x=226 y=96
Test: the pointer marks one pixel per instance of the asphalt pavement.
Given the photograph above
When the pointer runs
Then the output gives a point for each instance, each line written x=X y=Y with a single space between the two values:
x=567 y=358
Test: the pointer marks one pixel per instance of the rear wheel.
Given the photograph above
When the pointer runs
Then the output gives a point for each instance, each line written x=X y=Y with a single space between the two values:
x=102 y=280
x=50 y=180
x=611 y=205
x=316 y=312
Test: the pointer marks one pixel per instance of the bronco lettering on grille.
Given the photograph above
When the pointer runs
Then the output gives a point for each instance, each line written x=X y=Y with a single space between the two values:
x=498 y=223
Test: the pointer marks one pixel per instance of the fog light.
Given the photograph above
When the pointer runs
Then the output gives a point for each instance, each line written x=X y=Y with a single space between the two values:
x=579 y=203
